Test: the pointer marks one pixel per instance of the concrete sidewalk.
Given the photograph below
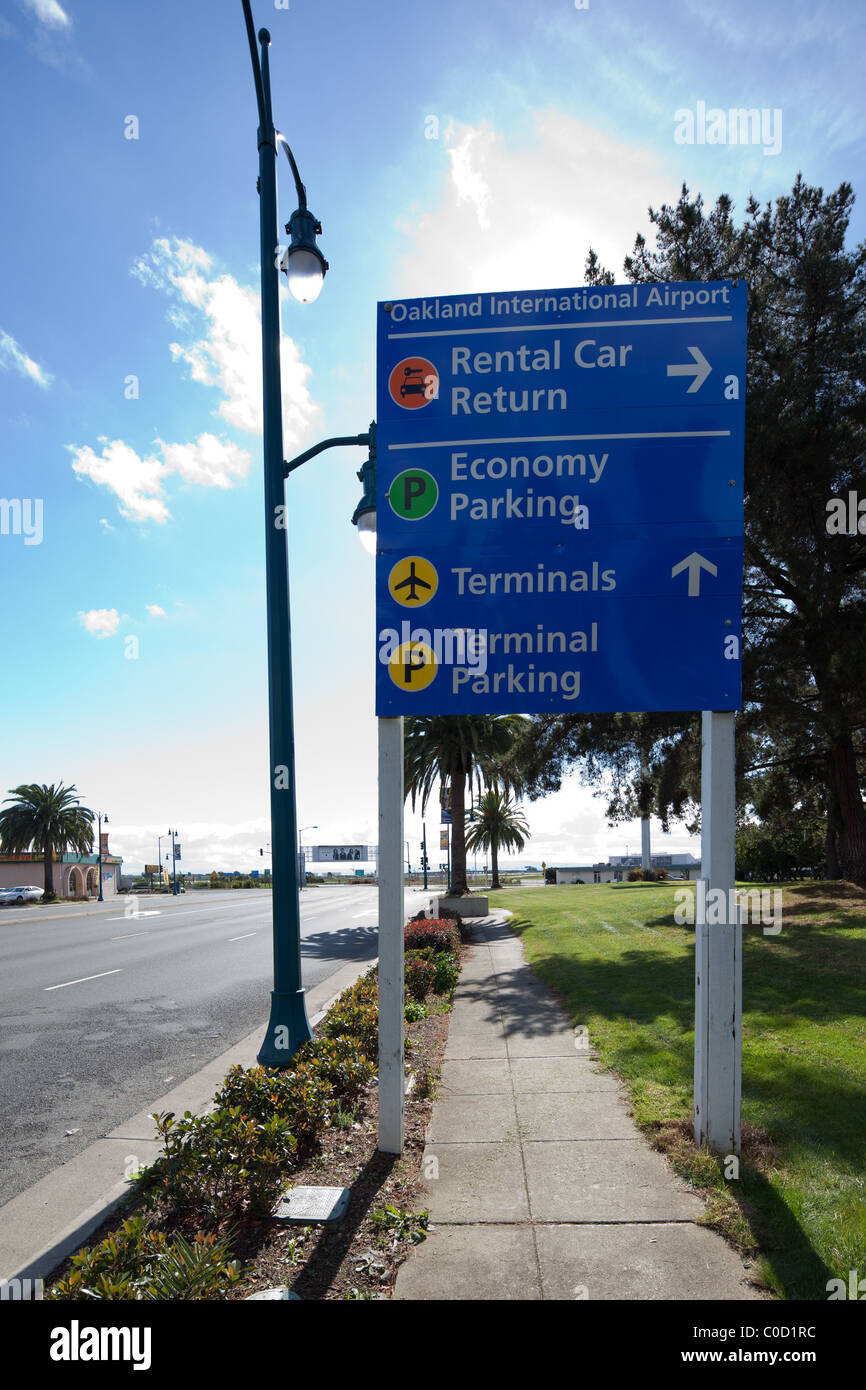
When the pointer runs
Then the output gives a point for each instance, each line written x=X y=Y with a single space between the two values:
x=540 y=1185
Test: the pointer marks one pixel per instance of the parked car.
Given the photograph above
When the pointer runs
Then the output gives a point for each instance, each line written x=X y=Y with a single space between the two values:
x=26 y=893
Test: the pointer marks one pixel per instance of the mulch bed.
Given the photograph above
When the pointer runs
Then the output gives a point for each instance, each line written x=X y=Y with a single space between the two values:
x=354 y=1258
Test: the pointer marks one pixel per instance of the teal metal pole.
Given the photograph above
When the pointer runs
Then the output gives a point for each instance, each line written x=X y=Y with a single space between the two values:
x=288 y=1026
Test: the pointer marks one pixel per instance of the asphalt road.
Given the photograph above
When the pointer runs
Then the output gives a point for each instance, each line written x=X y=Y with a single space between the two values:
x=101 y=1013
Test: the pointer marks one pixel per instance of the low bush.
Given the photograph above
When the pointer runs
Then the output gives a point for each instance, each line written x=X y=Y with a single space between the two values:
x=446 y=973
x=218 y=1166
x=438 y=932
x=300 y=1097
x=135 y=1263
x=341 y=1063
x=357 y=1019
x=419 y=974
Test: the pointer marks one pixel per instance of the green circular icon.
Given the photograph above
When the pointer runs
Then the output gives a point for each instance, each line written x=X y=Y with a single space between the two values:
x=413 y=494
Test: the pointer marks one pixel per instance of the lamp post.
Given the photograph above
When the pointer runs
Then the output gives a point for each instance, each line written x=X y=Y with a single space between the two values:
x=305 y=266
x=173 y=834
x=100 y=818
x=301 y=866
x=288 y=1026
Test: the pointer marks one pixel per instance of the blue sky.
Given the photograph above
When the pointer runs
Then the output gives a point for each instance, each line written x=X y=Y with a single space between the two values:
x=446 y=149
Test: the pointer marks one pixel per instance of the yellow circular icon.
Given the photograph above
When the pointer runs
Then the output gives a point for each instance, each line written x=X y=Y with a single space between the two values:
x=413 y=581
x=412 y=666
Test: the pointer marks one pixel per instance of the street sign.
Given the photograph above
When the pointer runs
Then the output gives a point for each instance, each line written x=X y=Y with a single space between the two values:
x=560 y=500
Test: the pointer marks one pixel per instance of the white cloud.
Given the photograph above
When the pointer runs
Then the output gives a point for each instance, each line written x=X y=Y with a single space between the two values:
x=228 y=355
x=210 y=462
x=137 y=482
x=49 y=12
x=13 y=355
x=471 y=151
x=100 y=622
x=522 y=214
x=155 y=611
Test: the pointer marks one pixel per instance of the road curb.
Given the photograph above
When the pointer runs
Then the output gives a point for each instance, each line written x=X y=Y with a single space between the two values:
x=93 y=1184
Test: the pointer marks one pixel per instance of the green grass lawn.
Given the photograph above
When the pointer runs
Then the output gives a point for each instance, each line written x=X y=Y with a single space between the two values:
x=626 y=971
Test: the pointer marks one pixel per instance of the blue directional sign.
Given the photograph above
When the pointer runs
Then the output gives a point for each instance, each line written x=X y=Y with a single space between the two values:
x=560 y=500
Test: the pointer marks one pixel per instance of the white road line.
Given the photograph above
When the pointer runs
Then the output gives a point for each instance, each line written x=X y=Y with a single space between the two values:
x=84 y=978
x=244 y=937
x=153 y=912
x=130 y=934
x=368 y=912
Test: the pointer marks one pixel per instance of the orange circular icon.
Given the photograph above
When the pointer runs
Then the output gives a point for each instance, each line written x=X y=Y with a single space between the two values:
x=413 y=383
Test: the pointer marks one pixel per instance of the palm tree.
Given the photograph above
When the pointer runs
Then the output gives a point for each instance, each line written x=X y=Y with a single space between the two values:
x=497 y=823
x=452 y=749
x=48 y=819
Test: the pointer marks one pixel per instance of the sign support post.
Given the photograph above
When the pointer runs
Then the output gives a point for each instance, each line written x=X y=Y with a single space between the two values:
x=391 y=918
x=718 y=947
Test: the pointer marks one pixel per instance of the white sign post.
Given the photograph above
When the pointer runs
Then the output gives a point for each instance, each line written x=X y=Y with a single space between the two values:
x=718 y=948
x=391 y=920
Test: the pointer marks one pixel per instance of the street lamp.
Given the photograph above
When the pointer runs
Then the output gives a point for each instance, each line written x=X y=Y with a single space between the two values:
x=365 y=513
x=100 y=818
x=301 y=866
x=288 y=1026
x=173 y=834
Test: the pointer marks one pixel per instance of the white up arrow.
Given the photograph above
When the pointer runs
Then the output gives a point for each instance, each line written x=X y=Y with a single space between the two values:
x=699 y=369
x=694 y=563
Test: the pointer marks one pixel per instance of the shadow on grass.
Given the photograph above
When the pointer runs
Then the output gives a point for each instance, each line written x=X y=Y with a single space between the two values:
x=817 y=1112
x=797 y=1269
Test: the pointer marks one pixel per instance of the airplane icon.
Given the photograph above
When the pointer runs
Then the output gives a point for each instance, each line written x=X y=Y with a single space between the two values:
x=413 y=582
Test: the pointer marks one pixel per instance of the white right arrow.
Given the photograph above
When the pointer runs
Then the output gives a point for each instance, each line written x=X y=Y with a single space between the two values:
x=694 y=563
x=699 y=369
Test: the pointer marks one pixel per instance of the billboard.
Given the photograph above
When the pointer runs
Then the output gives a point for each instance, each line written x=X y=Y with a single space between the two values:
x=333 y=854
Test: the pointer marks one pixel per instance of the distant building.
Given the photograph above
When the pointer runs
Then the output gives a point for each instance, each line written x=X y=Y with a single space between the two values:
x=683 y=867
x=76 y=876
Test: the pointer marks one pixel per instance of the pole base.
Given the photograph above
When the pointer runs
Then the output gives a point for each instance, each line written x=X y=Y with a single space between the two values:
x=288 y=1027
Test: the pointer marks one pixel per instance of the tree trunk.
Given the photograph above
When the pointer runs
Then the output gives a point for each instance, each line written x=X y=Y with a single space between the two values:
x=831 y=857
x=459 y=886
x=846 y=787
x=494 y=863
x=48 y=865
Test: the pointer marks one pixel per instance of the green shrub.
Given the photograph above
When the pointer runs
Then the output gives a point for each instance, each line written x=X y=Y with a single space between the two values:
x=634 y=875
x=413 y=1009
x=446 y=973
x=300 y=1097
x=220 y=1165
x=419 y=974
x=358 y=1020
x=341 y=1063
x=137 y=1264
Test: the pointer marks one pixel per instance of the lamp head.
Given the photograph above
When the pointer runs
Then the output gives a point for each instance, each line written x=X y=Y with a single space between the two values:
x=364 y=516
x=303 y=262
